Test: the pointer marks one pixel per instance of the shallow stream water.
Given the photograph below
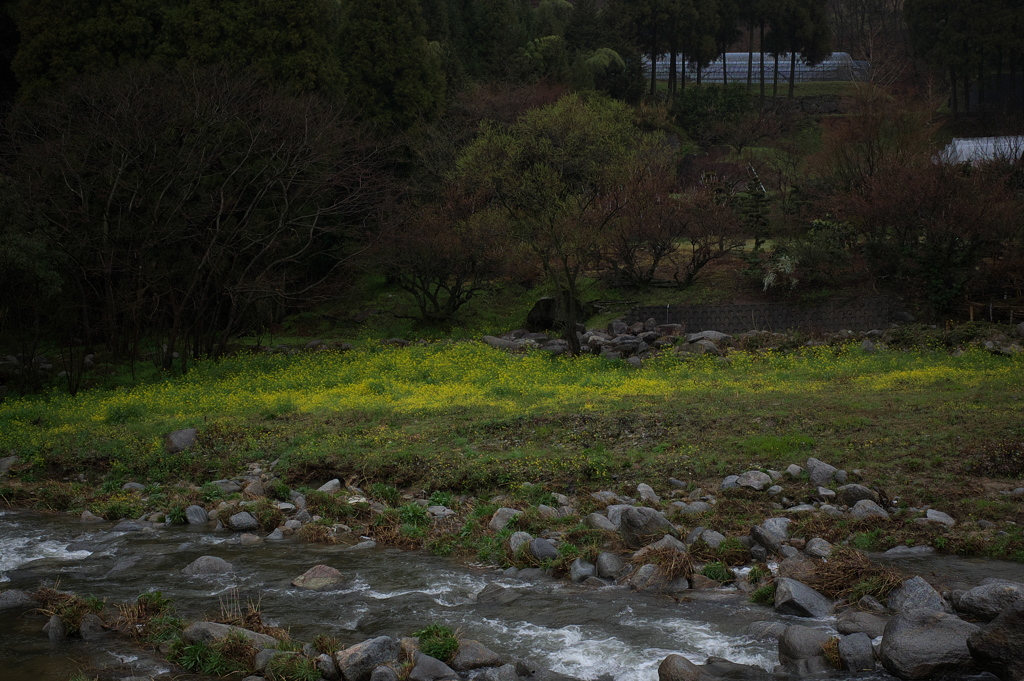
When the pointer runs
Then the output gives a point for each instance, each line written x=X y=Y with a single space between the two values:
x=582 y=632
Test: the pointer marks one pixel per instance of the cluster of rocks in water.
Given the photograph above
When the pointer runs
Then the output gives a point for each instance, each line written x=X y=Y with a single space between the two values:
x=640 y=340
x=918 y=633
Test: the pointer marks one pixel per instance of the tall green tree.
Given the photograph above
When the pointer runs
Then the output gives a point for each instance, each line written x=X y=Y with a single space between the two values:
x=61 y=39
x=393 y=74
x=288 y=42
x=551 y=178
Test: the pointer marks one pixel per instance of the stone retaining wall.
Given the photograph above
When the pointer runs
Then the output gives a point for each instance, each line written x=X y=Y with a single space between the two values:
x=857 y=315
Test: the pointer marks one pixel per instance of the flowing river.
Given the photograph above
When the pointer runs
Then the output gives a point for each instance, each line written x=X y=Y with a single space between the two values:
x=605 y=633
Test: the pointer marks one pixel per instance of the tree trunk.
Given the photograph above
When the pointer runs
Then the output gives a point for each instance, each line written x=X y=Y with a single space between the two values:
x=792 y=73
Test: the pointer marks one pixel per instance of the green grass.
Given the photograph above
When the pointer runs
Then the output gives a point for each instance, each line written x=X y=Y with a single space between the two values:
x=460 y=417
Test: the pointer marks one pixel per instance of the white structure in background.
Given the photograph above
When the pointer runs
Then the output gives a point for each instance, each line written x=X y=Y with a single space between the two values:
x=975 y=150
x=733 y=68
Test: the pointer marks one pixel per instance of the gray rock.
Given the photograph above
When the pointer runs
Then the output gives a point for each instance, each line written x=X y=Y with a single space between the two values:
x=767 y=539
x=318 y=577
x=196 y=515
x=818 y=548
x=999 y=647
x=869 y=603
x=639 y=524
x=264 y=657
x=518 y=540
x=908 y=551
x=778 y=527
x=505 y=672
x=850 y=494
x=580 y=570
x=495 y=594
x=774 y=490
x=854 y=621
x=276 y=535
x=713 y=336
x=609 y=565
x=755 y=480
x=7 y=462
x=208 y=632
x=15 y=598
x=123 y=563
x=133 y=487
x=384 y=673
x=796 y=598
x=666 y=542
x=644 y=577
x=90 y=517
x=330 y=487
x=856 y=653
x=180 y=440
x=800 y=651
x=605 y=497
x=474 y=655
x=697 y=507
x=207 y=565
x=765 y=630
x=993 y=597
x=919 y=644
x=129 y=526
x=243 y=522
x=542 y=549
x=502 y=517
x=647 y=494
x=427 y=668
x=865 y=508
x=614 y=513
x=356 y=663
x=794 y=471
x=820 y=472
x=599 y=522
x=712 y=538
x=915 y=593
x=933 y=516
x=56 y=629
x=730 y=482
x=326 y=666
x=544 y=511
x=227 y=486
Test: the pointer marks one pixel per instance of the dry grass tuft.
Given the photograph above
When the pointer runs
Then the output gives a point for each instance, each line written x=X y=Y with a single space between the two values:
x=831 y=650
x=231 y=613
x=848 y=574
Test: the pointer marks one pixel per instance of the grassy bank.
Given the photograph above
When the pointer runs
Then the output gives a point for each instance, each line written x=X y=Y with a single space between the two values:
x=927 y=427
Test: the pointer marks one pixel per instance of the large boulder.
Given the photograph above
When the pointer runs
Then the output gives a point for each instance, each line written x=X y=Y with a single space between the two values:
x=795 y=598
x=357 y=662
x=866 y=508
x=801 y=651
x=856 y=653
x=243 y=521
x=207 y=565
x=180 y=440
x=918 y=644
x=640 y=524
x=993 y=597
x=474 y=655
x=318 y=577
x=999 y=647
x=678 y=668
x=849 y=495
x=821 y=473
x=427 y=668
x=756 y=480
x=196 y=515
x=854 y=621
x=209 y=632
x=502 y=517
x=915 y=593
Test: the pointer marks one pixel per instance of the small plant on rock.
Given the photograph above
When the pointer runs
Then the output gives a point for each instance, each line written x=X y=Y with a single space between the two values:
x=717 y=571
x=438 y=641
x=764 y=595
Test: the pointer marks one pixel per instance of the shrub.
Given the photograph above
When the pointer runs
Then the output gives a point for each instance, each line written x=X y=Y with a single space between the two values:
x=291 y=667
x=445 y=499
x=438 y=641
x=385 y=494
x=764 y=595
x=717 y=571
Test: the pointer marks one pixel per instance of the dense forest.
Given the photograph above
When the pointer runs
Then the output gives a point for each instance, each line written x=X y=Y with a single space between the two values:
x=178 y=172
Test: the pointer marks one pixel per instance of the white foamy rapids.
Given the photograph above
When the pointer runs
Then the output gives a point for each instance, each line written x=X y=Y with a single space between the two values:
x=16 y=551
x=448 y=589
x=701 y=640
x=577 y=652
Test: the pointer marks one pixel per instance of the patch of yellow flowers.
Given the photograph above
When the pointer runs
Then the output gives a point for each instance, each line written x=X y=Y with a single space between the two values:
x=467 y=375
